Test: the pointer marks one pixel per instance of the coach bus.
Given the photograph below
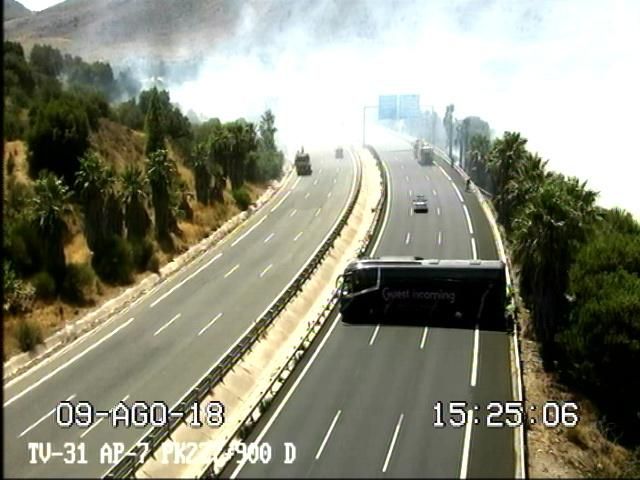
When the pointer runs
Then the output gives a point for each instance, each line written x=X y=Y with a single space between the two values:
x=406 y=290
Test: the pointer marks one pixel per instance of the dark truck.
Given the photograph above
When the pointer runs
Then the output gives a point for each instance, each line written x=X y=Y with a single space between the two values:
x=339 y=152
x=302 y=163
x=423 y=152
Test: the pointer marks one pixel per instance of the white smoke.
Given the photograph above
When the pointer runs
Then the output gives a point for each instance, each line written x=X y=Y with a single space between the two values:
x=564 y=74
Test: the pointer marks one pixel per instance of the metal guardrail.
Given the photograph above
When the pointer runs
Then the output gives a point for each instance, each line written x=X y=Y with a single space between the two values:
x=277 y=383
x=127 y=467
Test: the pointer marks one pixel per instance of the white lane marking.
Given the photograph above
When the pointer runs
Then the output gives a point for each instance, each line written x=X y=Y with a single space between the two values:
x=466 y=214
x=328 y=434
x=297 y=236
x=167 y=324
x=439 y=238
x=235 y=242
x=335 y=180
x=386 y=214
x=375 y=332
x=44 y=417
x=406 y=177
x=266 y=270
x=269 y=237
x=306 y=195
x=66 y=364
x=231 y=271
x=410 y=192
x=295 y=184
x=435 y=194
x=427 y=177
x=288 y=395
x=329 y=195
x=474 y=363
x=317 y=212
x=411 y=211
x=445 y=173
x=315 y=182
x=424 y=337
x=438 y=210
x=293 y=212
x=319 y=171
x=393 y=442
x=206 y=327
x=466 y=445
x=455 y=187
x=182 y=282
x=86 y=432
x=408 y=238
x=281 y=200
x=474 y=250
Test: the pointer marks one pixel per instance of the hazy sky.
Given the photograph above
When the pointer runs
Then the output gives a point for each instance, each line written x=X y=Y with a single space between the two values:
x=37 y=5
x=566 y=74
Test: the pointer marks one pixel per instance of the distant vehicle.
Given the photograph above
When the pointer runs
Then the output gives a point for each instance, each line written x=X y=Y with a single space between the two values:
x=302 y=163
x=420 y=204
x=406 y=290
x=339 y=153
x=423 y=152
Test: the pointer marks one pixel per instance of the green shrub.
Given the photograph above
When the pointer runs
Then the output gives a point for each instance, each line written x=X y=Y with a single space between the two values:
x=29 y=334
x=44 y=284
x=142 y=251
x=113 y=261
x=242 y=198
x=79 y=283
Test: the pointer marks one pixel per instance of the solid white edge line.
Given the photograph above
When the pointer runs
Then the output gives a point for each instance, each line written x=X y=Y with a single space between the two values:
x=375 y=333
x=295 y=184
x=466 y=214
x=466 y=445
x=185 y=280
x=167 y=324
x=65 y=364
x=424 y=337
x=206 y=327
x=231 y=271
x=235 y=242
x=280 y=202
x=288 y=395
x=474 y=249
x=315 y=354
x=44 y=417
x=387 y=210
x=86 y=432
x=328 y=434
x=455 y=187
x=445 y=173
x=393 y=442
x=474 y=363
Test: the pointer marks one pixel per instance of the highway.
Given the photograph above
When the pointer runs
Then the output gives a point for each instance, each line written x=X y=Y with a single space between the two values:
x=361 y=403
x=162 y=346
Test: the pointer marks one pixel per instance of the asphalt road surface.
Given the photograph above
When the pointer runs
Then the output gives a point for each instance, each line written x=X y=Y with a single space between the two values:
x=362 y=403
x=164 y=344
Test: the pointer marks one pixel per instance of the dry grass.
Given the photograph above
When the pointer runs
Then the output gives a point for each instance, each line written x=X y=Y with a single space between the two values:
x=582 y=451
x=118 y=146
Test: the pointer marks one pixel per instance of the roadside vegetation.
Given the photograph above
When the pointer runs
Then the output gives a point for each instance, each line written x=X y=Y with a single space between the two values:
x=104 y=181
x=578 y=272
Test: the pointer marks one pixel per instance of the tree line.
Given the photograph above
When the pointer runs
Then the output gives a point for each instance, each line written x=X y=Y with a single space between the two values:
x=579 y=273
x=124 y=213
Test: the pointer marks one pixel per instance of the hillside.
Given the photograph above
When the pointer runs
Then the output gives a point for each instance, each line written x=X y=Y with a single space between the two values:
x=13 y=9
x=117 y=29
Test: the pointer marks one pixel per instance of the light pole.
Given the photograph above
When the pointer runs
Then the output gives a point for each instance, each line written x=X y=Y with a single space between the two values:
x=364 y=121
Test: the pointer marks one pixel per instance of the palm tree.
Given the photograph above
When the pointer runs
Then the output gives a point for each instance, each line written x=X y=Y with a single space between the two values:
x=162 y=172
x=268 y=131
x=201 y=172
x=91 y=182
x=134 y=197
x=506 y=154
x=113 y=215
x=49 y=206
x=547 y=232
x=479 y=148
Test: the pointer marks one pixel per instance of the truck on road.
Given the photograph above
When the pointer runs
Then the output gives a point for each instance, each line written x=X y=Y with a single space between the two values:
x=302 y=163
x=423 y=152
